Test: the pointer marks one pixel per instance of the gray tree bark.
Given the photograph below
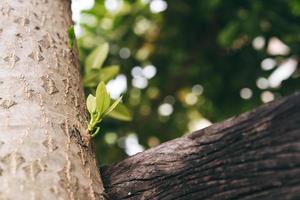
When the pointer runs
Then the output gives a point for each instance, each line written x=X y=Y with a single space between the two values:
x=44 y=153
x=253 y=156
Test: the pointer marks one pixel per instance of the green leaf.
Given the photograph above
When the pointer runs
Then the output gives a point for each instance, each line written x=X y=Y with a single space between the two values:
x=109 y=72
x=91 y=79
x=96 y=58
x=91 y=103
x=121 y=113
x=113 y=106
x=227 y=36
x=102 y=98
x=72 y=37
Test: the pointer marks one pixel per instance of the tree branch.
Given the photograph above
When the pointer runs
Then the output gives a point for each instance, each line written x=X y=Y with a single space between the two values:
x=253 y=156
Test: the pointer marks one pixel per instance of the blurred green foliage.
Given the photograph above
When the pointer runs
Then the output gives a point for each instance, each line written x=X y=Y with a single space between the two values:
x=208 y=55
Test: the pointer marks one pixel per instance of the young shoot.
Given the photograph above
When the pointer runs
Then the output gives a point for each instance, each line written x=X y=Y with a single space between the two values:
x=99 y=106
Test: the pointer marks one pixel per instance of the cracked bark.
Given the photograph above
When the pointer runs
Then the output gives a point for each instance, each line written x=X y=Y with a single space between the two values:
x=253 y=156
x=42 y=122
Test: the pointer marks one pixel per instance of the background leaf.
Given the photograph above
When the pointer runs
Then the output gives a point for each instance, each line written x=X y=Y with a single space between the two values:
x=113 y=106
x=108 y=73
x=121 y=113
x=97 y=57
x=91 y=78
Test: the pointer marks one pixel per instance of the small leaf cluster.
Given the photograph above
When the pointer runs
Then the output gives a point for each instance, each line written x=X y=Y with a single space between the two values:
x=99 y=107
x=101 y=104
x=72 y=37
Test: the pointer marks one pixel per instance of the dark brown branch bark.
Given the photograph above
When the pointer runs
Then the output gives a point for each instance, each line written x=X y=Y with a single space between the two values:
x=253 y=156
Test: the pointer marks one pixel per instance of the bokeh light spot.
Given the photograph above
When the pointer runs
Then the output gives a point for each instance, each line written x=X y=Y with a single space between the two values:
x=117 y=86
x=191 y=99
x=246 y=93
x=157 y=6
x=277 y=47
x=283 y=72
x=110 y=138
x=153 y=141
x=149 y=71
x=124 y=53
x=268 y=64
x=132 y=145
x=267 y=96
x=258 y=43
x=262 y=83
x=197 y=89
x=112 y=5
x=139 y=82
x=165 y=109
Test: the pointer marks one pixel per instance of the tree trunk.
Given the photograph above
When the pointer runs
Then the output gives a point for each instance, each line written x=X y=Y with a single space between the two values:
x=42 y=151
x=253 y=156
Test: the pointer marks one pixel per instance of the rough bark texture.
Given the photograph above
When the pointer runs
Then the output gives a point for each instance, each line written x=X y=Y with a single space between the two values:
x=253 y=156
x=42 y=125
